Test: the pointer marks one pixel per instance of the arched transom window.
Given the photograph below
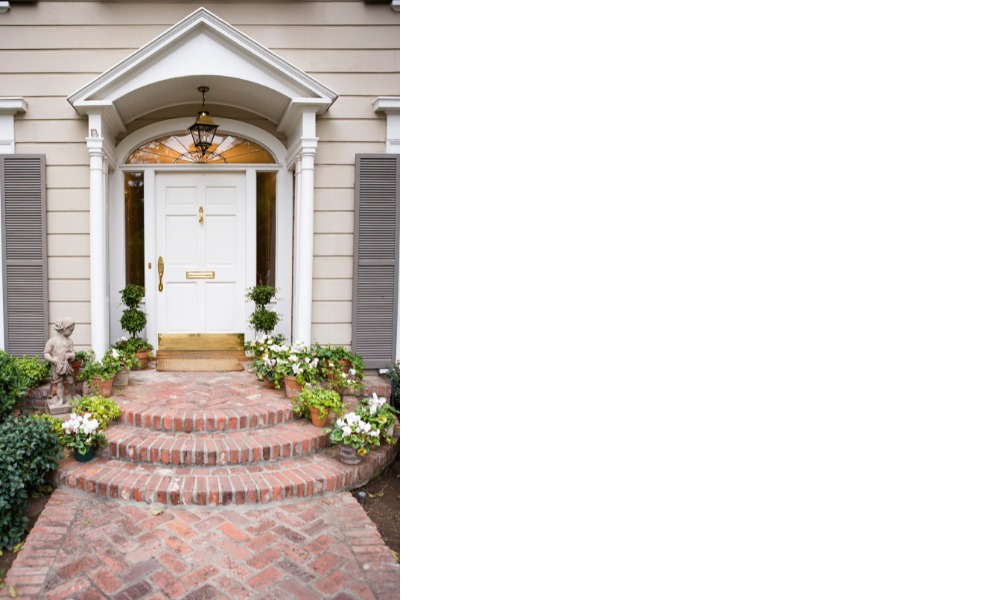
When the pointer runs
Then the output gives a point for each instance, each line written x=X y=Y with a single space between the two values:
x=179 y=148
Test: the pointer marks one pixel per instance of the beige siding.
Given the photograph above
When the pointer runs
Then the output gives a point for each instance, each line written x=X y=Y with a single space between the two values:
x=332 y=312
x=334 y=245
x=49 y=50
x=328 y=199
x=68 y=244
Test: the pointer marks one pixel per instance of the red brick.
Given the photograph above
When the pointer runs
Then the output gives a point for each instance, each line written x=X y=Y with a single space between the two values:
x=169 y=584
x=177 y=545
x=76 y=567
x=234 y=532
x=105 y=580
x=334 y=583
x=199 y=576
x=264 y=579
x=176 y=565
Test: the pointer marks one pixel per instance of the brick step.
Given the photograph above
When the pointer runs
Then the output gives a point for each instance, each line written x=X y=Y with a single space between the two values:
x=286 y=440
x=188 y=419
x=299 y=477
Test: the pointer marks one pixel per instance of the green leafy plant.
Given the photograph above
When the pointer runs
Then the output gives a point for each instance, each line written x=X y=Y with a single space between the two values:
x=355 y=431
x=394 y=380
x=261 y=294
x=324 y=401
x=103 y=409
x=13 y=385
x=55 y=426
x=83 y=432
x=133 y=320
x=262 y=319
x=29 y=451
x=34 y=370
x=331 y=367
x=104 y=369
x=379 y=414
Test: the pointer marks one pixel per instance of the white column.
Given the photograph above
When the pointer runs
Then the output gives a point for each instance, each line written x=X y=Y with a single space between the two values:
x=304 y=229
x=98 y=239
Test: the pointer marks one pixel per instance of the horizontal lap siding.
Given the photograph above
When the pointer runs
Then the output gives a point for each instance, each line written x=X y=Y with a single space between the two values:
x=49 y=50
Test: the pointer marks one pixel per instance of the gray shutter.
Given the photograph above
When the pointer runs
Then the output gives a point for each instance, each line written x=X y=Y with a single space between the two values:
x=25 y=269
x=376 y=258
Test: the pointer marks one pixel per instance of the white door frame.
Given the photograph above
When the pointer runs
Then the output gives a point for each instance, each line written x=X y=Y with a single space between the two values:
x=283 y=216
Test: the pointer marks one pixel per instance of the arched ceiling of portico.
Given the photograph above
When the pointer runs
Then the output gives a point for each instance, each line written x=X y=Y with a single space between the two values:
x=202 y=49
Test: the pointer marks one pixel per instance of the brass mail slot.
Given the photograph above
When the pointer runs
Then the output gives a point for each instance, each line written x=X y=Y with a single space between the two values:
x=200 y=275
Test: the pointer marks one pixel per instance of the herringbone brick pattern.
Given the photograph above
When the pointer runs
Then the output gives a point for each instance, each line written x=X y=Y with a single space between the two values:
x=85 y=547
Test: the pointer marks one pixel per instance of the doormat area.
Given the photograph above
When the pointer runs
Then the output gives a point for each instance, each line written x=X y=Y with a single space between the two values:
x=199 y=364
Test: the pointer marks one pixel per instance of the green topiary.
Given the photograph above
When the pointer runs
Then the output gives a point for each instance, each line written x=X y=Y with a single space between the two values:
x=133 y=320
x=261 y=294
x=263 y=320
x=29 y=451
x=133 y=295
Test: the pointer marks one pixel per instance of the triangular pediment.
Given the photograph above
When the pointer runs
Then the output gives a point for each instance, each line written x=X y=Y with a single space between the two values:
x=202 y=49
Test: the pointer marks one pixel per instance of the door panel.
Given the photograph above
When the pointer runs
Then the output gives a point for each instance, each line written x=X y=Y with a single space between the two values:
x=200 y=233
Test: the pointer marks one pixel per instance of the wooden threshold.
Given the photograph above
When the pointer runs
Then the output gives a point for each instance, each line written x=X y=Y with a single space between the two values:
x=200 y=341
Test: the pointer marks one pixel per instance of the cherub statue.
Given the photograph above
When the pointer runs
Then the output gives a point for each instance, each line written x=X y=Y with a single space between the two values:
x=59 y=351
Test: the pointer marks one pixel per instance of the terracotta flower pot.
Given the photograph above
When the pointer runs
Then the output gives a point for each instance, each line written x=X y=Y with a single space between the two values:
x=292 y=387
x=143 y=358
x=102 y=386
x=76 y=364
x=317 y=420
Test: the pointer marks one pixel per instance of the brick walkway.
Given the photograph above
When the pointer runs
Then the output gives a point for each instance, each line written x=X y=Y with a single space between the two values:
x=249 y=502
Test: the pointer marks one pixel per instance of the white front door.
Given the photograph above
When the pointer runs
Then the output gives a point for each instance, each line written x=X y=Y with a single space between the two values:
x=200 y=229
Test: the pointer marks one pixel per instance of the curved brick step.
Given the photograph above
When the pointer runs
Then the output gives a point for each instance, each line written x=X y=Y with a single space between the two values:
x=299 y=477
x=287 y=440
x=192 y=420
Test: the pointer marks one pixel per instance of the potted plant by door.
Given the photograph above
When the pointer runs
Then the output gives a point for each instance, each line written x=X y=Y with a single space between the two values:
x=317 y=404
x=133 y=320
x=262 y=319
x=101 y=373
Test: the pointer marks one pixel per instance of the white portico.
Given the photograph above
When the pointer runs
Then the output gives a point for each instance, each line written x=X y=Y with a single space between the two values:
x=198 y=207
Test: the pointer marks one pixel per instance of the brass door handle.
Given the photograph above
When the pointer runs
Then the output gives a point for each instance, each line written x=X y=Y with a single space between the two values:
x=201 y=215
x=159 y=269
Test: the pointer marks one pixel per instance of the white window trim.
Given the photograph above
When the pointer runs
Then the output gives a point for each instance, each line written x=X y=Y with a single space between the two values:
x=389 y=105
x=8 y=108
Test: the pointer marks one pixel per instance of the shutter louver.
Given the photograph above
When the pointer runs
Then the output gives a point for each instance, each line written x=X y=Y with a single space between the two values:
x=25 y=269
x=376 y=253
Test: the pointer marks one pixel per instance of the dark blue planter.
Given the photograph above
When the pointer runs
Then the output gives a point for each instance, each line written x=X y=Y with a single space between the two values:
x=85 y=456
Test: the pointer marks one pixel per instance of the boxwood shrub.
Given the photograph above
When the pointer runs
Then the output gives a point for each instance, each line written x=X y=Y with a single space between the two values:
x=13 y=384
x=29 y=451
